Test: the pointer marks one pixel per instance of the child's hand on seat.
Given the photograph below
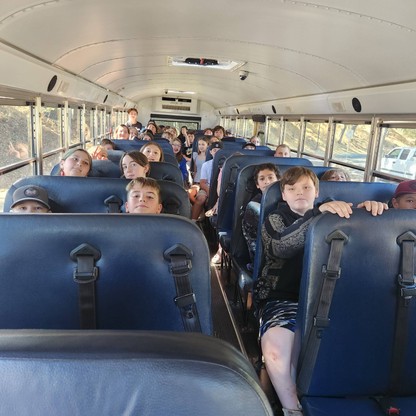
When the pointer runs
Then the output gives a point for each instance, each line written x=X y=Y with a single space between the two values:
x=341 y=208
x=375 y=207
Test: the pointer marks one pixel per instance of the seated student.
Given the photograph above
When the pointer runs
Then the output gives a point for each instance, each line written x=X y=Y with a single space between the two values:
x=134 y=133
x=151 y=125
x=264 y=175
x=249 y=146
x=122 y=132
x=177 y=151
x=134 y=164
x=75 y=162
x=199 y=158
x=153 y=152
x=205 y=178
x=283 y=150
x=108 y=144
x=147 y=135
x=276 y=291
x=143 y=197
x=405 y=195
x=336 y=175
x=30 y=199
x=255 y=140
x=187 y=145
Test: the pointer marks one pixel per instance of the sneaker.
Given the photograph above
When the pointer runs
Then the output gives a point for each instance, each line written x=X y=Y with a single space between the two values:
x=216 y=259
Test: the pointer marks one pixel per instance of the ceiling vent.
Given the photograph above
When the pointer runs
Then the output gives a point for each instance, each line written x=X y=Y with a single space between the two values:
x=176 y=104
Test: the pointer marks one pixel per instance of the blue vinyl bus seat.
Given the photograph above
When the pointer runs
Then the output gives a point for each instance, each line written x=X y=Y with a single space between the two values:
x=98 y=195
x=354 y=348
x=134 y=287
x=219 y=160
x=125 y=373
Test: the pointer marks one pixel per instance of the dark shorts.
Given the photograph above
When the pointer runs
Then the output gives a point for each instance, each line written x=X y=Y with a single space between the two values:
x=278 y=313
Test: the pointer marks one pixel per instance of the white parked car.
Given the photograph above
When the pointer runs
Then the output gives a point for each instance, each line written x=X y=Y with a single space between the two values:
x=400 y=161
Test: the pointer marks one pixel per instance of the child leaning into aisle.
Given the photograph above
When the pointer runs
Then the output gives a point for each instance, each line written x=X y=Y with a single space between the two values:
x=276 y=292
x=143 y=197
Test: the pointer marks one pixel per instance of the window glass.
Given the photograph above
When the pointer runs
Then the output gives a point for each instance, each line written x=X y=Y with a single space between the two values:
x=88 y=126
x=316 y=138
x=239 y=127
x=293 y=131
x=274 y=131
x=351 y=143
x=15 y=133
x=51 y=129
x=74 y=124
x=249 y=128
x=397 y=147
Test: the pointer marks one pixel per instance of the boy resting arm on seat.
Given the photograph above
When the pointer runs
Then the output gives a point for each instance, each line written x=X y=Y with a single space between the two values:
x=276 y=292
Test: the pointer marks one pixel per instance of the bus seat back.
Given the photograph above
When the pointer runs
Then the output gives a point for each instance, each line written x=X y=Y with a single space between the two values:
x=355 y=351
x=125 y=373
x=90 y=195
x=134 y=287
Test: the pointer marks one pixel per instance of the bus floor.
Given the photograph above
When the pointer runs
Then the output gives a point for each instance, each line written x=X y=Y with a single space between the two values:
x=230 y=325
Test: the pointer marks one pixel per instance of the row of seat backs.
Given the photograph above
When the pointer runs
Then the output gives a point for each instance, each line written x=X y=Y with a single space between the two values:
x=134 y=288
x=69 y=194
x=135 y=144
x=111 y=169
x=354 y=192
x=230 y=170
x=219 y=161
x=355 y=346
x=125 y=373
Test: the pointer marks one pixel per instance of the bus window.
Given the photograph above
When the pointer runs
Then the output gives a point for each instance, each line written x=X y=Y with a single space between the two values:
x=351 y=143
x=274 y=131
x=51 y=129
x=15 y=133
x=239 y=127
x=293 y=132
x=248 y=128
x=74 y=124
x=316 y=136
x=397 y=151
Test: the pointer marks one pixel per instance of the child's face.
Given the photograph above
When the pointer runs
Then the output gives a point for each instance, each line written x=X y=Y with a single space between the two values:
x=152 y=153
x=202 y=146
x=143 y=200
x=191 y=138
x=29 y=207
x=282 y=152
x=122 y=133
x=78 y=164
x=176 y=146
x=300 y=196
x=265 y=178
x=132 y=169
x=406 y=201
x=338 y=176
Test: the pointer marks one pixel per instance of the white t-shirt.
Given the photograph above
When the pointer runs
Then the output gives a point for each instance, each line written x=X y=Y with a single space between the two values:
x=206 y=171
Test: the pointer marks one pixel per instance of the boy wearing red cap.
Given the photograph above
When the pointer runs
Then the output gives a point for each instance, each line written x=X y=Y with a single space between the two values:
x=405 y=195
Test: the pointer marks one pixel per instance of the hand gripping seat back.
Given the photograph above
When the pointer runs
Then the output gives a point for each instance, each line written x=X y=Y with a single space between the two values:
x=134 y=288
x=355 y=352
